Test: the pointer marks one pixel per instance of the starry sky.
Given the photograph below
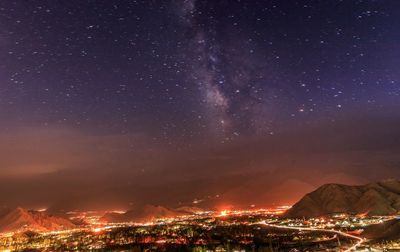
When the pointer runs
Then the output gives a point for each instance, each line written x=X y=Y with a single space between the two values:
x=145 y=95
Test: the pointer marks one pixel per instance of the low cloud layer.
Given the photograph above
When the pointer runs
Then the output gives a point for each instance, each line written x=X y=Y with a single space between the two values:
x=66 y=168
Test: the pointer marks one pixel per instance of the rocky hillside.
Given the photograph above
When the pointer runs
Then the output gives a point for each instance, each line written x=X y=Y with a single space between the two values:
x=22 y=219
x=381 y=198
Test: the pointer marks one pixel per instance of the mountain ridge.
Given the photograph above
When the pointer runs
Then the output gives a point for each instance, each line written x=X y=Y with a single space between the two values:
x=378 y=198
x=148 y=213
x=19 y=219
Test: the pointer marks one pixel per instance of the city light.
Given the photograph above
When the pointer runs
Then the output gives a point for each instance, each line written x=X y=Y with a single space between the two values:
x=194 y=229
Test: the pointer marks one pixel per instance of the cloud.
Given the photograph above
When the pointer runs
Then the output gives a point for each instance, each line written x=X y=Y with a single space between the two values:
x=68 y=167
x=37 y=150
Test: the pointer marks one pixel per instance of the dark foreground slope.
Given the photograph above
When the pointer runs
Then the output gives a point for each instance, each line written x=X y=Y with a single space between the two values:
x=380 y=198
x=389 y=230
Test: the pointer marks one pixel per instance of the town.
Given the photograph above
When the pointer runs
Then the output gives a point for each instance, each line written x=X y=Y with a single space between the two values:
x=248 y=230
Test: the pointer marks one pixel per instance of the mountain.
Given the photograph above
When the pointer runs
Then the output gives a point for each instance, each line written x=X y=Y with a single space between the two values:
x=380 y=198
x=21 y=219
x=147 y=213
x=189 y=210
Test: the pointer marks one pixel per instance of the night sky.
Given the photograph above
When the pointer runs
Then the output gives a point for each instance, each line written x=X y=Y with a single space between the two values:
x=228 y=101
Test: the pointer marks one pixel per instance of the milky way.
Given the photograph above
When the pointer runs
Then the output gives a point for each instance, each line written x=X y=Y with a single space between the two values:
x=199 y=67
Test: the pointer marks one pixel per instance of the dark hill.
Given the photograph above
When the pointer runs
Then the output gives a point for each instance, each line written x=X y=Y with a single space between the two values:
x=381 y=198
x=19 y=219
x=389 y=230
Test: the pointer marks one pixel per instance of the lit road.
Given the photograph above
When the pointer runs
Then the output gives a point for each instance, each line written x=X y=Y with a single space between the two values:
x=352 y=248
